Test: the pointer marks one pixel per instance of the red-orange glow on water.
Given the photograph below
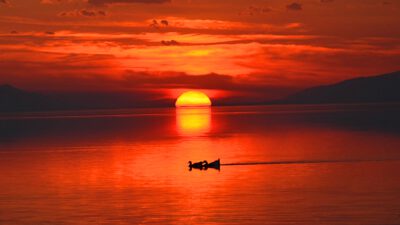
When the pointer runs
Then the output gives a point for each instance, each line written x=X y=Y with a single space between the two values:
x=193 y=121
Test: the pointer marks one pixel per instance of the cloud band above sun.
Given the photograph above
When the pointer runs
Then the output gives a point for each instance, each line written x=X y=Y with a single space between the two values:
x=103 y=2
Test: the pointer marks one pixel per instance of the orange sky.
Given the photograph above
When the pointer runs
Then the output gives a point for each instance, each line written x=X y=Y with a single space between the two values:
x=254 y=47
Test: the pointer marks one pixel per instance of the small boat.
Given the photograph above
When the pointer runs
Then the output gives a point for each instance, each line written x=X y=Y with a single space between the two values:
x=205 y=165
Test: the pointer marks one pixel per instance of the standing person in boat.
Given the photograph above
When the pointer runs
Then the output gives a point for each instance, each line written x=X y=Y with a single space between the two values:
x=198 y=165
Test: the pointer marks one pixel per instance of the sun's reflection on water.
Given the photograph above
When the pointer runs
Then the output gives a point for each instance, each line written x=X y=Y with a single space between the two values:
x=193 y=121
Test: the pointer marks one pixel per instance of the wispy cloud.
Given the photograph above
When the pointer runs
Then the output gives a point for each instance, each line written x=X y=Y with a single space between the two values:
x=84 y=12
x=4 y=2
x=294 y=6
x=104 y=2
x=254 y=10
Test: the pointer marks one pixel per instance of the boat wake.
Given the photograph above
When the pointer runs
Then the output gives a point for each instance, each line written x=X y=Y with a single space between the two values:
x=307 y=162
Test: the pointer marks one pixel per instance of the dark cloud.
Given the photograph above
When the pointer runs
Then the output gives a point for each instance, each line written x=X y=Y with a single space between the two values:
x=326 y=1
x=84 y=12
x=105 y=2
x=164 y=22
x=4 y=2
x=294 y=6
x=169 y=43
x=180 y=80
x=255 y=10
x=241 y=85
x=159 y=24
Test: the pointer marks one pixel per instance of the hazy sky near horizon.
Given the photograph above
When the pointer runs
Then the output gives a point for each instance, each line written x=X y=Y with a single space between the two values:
x=261 y=47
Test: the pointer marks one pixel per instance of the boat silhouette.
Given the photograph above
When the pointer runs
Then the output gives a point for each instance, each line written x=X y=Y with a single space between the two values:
x=205 y=165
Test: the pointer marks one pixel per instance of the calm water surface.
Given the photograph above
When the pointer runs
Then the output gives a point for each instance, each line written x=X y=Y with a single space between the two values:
x=130 y=166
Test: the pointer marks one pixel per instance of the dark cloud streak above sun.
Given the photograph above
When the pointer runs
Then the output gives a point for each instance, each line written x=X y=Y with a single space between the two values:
x=84 y=12
x=104 y=2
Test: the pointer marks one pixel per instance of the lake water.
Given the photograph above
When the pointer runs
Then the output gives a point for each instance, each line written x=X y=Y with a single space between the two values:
x=340 y=166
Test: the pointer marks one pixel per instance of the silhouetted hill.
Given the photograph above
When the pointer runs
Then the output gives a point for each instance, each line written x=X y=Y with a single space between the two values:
x=382 y=88
x=14 y=99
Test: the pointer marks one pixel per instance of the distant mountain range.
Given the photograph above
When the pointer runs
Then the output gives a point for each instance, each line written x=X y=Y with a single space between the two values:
x=13 y=99
x=382 y=88
x=16 y=100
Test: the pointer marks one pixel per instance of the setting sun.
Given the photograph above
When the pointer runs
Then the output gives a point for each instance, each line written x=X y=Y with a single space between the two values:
x=193 y=99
